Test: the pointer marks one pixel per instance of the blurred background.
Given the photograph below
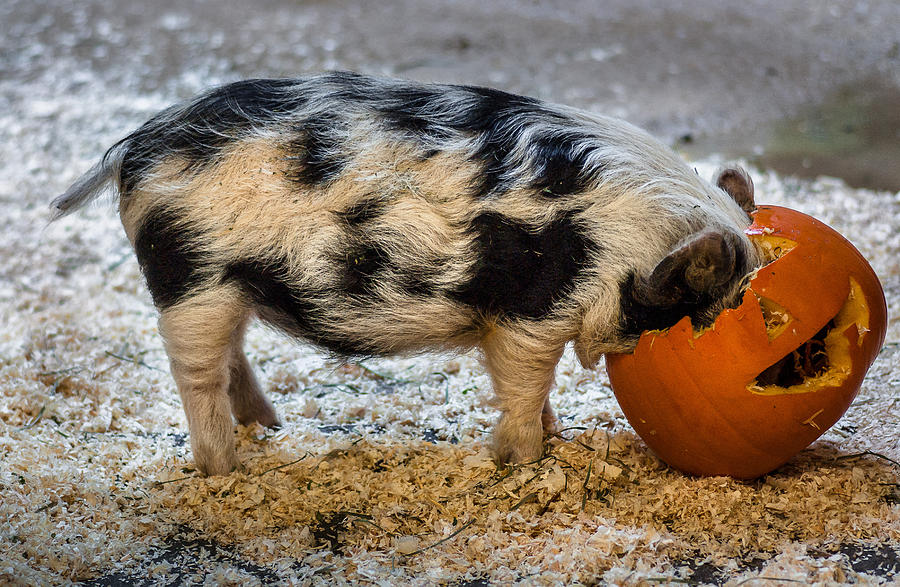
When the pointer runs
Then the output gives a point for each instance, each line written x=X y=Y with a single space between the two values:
x=805 y=87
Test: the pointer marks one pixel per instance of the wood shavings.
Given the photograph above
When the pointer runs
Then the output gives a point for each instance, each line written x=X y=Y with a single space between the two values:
x=382 y=473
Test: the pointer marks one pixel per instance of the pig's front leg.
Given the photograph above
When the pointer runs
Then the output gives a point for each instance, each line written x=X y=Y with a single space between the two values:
x=522 y=368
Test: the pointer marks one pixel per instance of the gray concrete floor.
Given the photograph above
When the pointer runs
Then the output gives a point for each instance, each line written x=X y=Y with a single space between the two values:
x=738 y=77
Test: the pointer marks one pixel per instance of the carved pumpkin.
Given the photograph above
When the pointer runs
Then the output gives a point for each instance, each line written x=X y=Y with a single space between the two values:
x=770 y=376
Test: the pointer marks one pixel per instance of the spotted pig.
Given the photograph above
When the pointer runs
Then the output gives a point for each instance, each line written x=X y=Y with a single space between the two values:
x=374 y=216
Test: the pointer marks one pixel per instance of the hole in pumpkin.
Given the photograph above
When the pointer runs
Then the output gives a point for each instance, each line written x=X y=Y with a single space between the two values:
x=823 y=360
x=775 y=316
x=808 y=360
x=772 y=247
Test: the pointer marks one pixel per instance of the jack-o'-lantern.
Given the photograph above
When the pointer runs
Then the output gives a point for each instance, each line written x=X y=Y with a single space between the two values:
x=769 y=377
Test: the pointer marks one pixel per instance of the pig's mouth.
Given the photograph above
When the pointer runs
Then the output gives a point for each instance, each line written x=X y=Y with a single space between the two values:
x=824 y=360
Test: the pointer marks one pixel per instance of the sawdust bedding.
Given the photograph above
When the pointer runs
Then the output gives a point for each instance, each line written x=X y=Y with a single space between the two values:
x=381 y=472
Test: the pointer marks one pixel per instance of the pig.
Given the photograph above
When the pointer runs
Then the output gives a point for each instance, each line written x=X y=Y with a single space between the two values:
x=376 y=217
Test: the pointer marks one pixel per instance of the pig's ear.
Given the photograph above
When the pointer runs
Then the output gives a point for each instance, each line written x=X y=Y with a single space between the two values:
x=689 y=273
x=737 y=183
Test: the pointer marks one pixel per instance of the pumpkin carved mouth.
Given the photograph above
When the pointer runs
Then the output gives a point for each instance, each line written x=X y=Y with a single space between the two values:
x=822 y=360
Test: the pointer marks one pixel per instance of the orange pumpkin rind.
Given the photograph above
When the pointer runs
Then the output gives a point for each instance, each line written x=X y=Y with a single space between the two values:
x=697 y=398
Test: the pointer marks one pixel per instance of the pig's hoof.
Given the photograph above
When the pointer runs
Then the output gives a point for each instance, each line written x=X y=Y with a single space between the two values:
x=216 y=470
x=211 y=466
x=254 y=407
x=519 y=446
x=516 y=455
x=548 y=422
x=265 y=416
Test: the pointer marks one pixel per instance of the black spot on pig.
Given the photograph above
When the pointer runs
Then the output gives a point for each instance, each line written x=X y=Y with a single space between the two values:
x=361 y=267
x=492 y=102
x=291 y=307
x=420 y=281
x=318 y=153
x=522 y=271
x=349 y=86
x=197 y=131
x=497 y=117
x=368 y=264
x=560 y=163
x=485 y=117
x=494 y=154
x=363 y=211
x=491 y=117
x=413 y=110
x=170 y=260
x=247 y=102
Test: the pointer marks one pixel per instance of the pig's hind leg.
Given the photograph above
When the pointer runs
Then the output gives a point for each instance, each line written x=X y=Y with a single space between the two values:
x=199 y=333
x=248 y=403
x=522 y=369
